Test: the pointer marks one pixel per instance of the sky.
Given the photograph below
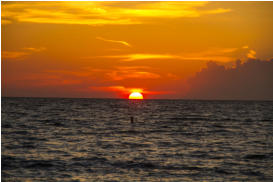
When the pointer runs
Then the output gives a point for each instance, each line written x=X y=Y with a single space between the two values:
x=166 y=50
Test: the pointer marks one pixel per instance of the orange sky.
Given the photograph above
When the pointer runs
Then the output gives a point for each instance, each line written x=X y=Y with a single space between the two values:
x=106 y=49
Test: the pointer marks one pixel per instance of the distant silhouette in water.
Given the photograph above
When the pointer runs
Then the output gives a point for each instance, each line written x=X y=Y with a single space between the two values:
x=132 y=119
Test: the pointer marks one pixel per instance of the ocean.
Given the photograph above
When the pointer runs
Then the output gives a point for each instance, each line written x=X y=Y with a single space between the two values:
x=62 y=139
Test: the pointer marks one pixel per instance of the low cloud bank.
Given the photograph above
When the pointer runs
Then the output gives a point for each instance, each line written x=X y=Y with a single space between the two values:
x=252 y=80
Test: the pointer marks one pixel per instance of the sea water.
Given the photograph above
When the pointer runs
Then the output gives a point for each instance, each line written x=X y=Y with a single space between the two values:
x=54 y=139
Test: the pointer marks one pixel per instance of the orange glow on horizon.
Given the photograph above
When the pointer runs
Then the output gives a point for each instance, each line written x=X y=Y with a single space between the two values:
x=136 y=95
x=156 y=48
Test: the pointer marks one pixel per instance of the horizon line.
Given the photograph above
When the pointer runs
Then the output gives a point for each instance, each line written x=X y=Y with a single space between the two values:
x=186 y=99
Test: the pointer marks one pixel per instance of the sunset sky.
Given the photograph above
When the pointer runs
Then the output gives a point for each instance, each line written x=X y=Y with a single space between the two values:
x=106 y=49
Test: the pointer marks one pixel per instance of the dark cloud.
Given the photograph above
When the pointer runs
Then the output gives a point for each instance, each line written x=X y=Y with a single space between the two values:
x=251 y=80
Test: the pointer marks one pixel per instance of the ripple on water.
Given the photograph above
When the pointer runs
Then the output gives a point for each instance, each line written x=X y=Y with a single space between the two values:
x=171 y=140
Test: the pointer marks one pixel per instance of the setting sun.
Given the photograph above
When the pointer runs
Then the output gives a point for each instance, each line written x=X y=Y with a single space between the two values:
x=136 y=95
x=125 y=87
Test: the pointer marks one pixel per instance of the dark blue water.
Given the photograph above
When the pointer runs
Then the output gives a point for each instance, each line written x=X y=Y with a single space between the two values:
x=48 y=139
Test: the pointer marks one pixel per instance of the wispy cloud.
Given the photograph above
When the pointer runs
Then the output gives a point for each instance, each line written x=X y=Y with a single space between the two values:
x=22 y=53
x=128 y=90
x=223 y=55
x=117 y=88
x=133 y=57
x=216 y=11
x=114 y=41
x=113 y=74
x=45 y=79
x=213 y=54
x=13 y=54
x=33 y=49
x=101 y=13
x=251 y=54
x=121 y=73
x=173 y=76
x=4 y=21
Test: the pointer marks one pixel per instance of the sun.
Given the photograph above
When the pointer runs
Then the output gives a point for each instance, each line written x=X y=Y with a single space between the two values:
x=135 y=95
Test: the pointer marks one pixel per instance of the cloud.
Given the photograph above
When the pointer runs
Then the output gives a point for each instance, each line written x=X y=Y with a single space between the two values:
x=83 y=73
x=114 y=41
x=250 y=80
x=79 y=73
x=121 y=73
x=217 y=11
x=6 y=21
x=223 y=55
x=106 y=74
x=13 y=54
x=45 y=79
x=21 y=54
x=251 y=54
x=101 y=13
x=173 y=76
x=118 y=88
x=127 y=90
x=33 y=49
x=134 y=57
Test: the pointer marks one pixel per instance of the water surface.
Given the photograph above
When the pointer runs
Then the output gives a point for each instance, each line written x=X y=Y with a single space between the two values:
x=50 y=139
